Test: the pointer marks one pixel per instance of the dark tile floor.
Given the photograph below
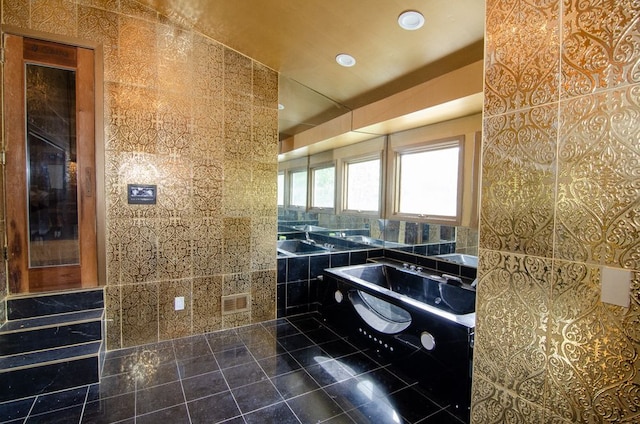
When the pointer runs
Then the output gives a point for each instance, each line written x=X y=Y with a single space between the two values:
x=293 y=370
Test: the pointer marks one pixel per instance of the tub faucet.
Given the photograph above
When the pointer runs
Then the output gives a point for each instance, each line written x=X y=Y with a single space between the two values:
x=452 y=279
x=309 y=240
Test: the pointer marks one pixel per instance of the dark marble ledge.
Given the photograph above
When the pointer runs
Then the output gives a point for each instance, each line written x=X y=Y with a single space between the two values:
x=56 y=320
x=49 y=356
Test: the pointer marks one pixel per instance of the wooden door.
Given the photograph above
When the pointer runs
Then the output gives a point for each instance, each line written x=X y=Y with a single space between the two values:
x=50 y=165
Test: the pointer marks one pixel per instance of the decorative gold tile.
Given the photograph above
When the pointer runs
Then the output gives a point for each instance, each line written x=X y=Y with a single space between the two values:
x=263 y=247
x=54 y=16
x=207 y=189
x=263 y=295
x=594 y=354
x=600 y=45
x=98 y=25
x=237 y=131
x=522 y=52
x=494 y=405
x=236 y=284
x=238 y=71
x=208 y=242
x=131 y=119
x=598 y=190
x=111 y=5
x=138 y=60
x=236 y=192
x=511 y=327
x=236 y=320
x=518 y=176
x=207 y=147
x=265 y=87
x=137 y=9
x=207 y=312
x=208 y=75
x=174 y=324
x=173 y=124
x=139 y=314
x=174 y=249
x=175 y=47
x=237 y=245
x=14 y=12
x=264 y=189
x=129 y=168
x=112 y=305
x=265 y=135
x=138 y=251
x=174 y=188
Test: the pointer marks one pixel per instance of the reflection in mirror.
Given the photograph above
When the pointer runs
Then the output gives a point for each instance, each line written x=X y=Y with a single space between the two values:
x=302 y=108
x=51 y=157
x=419 y=238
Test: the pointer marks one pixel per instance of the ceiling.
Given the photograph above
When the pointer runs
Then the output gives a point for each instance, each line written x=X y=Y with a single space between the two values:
x=301 y=38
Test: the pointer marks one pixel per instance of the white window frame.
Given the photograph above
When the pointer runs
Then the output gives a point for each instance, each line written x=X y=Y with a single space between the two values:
x=311 y=188
x=393 y=197
x=289 y=193
x=284 y=191
x=344 y=181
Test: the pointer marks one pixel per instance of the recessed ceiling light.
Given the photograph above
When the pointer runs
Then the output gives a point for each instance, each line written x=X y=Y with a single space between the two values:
x=345 y=60
x=411 y=20
x=280 y=106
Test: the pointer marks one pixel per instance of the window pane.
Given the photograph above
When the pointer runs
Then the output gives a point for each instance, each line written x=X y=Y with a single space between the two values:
x=298 y=188
x=323 y=187
x=280 y=189
x=429 y=182
x=363 y=185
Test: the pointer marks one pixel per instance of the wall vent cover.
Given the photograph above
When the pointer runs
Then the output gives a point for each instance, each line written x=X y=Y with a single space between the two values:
x=235 y=303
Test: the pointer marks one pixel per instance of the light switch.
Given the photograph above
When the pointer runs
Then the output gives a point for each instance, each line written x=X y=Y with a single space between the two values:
x=178 y=303
x=616 y=286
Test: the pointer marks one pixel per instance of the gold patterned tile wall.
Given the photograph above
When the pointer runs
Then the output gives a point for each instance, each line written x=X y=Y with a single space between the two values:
x=560 y=200
x=198 y=120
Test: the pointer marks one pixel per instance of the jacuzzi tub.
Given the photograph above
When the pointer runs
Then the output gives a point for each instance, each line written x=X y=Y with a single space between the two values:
x=418 y=320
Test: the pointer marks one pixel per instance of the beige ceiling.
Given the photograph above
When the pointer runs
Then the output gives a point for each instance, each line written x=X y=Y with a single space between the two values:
x=300 y=39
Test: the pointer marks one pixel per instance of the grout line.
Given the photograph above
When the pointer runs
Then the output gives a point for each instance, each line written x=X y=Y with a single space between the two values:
x=184 y=396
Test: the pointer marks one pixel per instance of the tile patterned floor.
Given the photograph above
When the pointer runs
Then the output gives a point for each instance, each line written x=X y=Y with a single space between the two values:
x=293 y=370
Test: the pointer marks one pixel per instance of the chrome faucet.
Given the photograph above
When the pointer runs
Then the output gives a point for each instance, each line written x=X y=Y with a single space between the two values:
x=309 y=240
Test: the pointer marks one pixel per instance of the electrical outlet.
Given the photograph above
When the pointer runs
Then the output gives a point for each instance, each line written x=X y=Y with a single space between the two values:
x=178 y=303
x=616 y=286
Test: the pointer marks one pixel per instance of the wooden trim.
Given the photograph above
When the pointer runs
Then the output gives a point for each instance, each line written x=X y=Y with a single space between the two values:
x=85 y=101
x=17 y=232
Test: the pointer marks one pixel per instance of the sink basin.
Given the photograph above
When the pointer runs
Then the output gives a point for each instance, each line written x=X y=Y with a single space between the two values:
x=374 y=242
x=460 y=259
x=309 y=228
x=298 y=247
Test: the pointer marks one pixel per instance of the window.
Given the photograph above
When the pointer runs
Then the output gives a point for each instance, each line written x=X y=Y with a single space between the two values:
x=428 y=180
x=281 y=189
x=362 y=185
x=298 y=188
x=323 y=183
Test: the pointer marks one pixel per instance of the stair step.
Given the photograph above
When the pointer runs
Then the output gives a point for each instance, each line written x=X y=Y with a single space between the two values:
x=29 y=306
x=48 y=356
x=49 y=370
x=51 y=342
x=51 y=331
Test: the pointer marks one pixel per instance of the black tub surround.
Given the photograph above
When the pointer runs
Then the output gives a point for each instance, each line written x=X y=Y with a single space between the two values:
x=416 y=318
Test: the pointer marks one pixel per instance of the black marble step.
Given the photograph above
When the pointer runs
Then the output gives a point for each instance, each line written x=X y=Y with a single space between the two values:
x=51 y=342
x=49 y=370
x=30 y=306
x=51 y=331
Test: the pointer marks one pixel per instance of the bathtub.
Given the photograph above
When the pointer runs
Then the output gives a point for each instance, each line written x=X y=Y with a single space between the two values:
x=421 y=321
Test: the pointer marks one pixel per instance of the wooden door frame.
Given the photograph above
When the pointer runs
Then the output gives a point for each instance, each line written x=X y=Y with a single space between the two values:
x=99 y=150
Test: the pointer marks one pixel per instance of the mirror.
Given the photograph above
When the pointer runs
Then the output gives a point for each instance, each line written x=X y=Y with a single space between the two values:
x=419 y=238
